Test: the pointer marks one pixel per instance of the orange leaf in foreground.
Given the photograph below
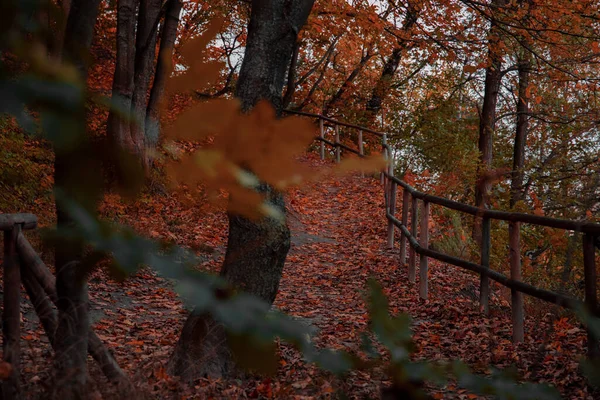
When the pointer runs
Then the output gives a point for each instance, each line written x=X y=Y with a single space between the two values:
x=5 y=370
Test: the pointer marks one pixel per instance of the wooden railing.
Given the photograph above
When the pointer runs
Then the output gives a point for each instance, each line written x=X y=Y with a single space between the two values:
x=418 y=239
x=12 y=225
x=21 y=264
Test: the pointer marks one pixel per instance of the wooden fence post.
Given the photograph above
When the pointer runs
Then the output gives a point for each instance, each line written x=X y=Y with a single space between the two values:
x=591 y=295
x=405 y=202
x=322 y=135
x=338 y=149
x=412 y=268
x=424 y=242
x=514 y=234
x=384 y=142
x=11 y=317
x=391 y=227
x=484 y=287
x=361 y=147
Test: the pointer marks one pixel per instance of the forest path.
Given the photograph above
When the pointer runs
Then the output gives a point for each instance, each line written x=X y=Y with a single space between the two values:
x=338 y=243
x=325 y=282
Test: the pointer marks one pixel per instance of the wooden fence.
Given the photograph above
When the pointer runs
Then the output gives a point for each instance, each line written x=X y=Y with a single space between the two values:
x=418 y=239
x=21 y=264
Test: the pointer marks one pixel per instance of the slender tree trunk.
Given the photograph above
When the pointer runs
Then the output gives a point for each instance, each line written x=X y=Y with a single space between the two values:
x=145 y=51
x=167 y=42
x=339 y=95
x=71 y=335
x=487 y=122
x=256 y=250
x=309 y=97
x=291 y=80
x=493 y=77
x=516 y=194
x=119 y=129
x=382 y=87
x=516 y=187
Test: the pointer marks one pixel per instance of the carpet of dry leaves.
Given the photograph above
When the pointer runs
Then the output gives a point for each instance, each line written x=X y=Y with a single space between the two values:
x=339 y=232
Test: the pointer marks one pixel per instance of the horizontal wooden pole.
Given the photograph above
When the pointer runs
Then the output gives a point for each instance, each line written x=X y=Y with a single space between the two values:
x=27 y=221
x=586 y=227
x=343 y=146
x=333 y=121
x=542 y=294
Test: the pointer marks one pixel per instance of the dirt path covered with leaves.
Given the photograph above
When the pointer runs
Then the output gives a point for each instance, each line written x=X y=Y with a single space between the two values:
x=338 y=242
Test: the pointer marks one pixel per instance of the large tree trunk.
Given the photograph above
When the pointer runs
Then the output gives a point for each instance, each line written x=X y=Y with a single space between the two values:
x=119 y=127
x=69 y=170
x=167 y=41
x=256 y=251
x=145 y=51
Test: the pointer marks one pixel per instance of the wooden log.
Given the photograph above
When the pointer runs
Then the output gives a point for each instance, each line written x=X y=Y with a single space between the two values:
x=392 y=210
x=338 y=149
x=424 y=242
x=322 y=136
x=412 y=257
x=27 y=221
x=591 y=294
x=484 y=285
x=11 y=316
x=405 y=205
x=514 y=234
x=348 y=148
x=36 y=268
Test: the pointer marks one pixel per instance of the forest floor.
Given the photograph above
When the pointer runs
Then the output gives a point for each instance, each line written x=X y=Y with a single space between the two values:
x=338 y=242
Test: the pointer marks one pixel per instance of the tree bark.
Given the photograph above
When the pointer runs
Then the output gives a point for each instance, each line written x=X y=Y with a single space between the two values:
x=256 y=250
x=167 y=42
x=291 y=80
x=119 y=130
x=145 y=51
x=516 y=187
x=493 y=77
x=487 y=122
x=71 y=335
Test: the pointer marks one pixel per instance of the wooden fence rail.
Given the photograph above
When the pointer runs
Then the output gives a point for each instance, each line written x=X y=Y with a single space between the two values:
x=418 y=243
x=590 y=238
